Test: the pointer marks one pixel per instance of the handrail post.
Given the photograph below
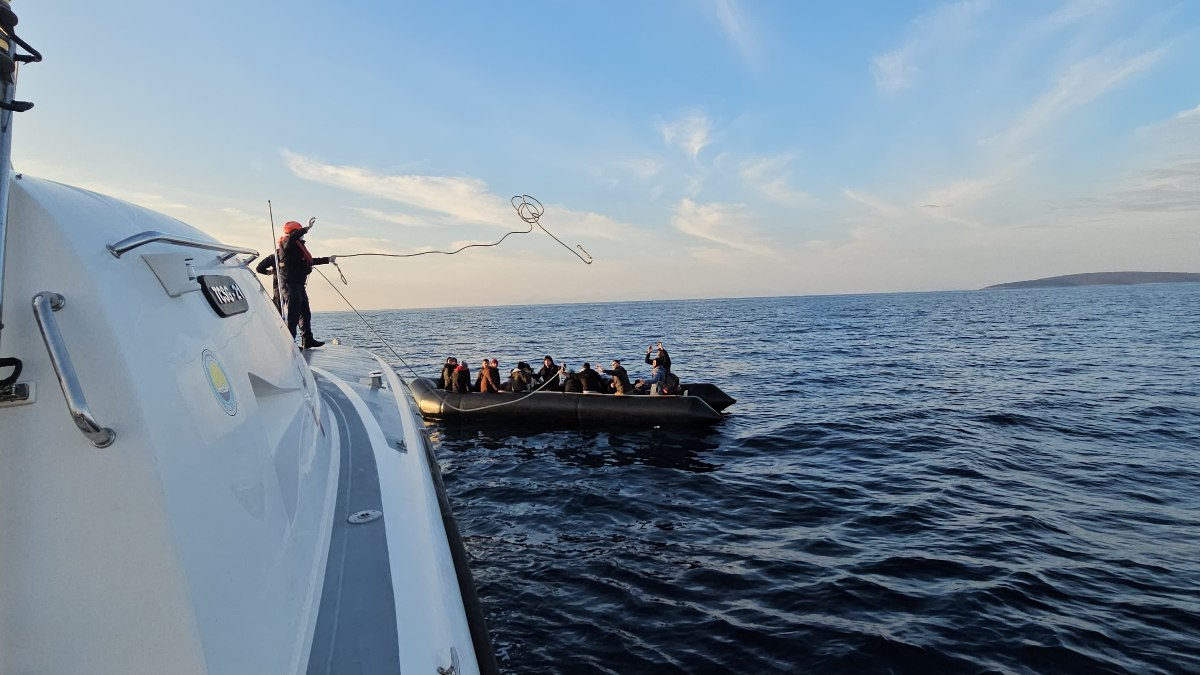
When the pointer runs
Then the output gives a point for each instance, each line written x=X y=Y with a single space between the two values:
x=45 y=304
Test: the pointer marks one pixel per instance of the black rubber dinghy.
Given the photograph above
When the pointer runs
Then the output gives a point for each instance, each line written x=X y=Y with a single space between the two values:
x=551 y=408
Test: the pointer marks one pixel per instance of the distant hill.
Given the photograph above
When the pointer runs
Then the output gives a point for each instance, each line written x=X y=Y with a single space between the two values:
x=1103 y=279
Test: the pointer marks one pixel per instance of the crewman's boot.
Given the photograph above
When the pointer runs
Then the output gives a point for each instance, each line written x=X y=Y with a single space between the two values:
x=309 y=342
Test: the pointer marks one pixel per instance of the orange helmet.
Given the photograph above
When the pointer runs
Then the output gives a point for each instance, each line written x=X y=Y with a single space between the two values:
x=291 y=226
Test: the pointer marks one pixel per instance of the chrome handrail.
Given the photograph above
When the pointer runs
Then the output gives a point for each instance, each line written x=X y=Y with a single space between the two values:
x=150 y=236
x=45 y=304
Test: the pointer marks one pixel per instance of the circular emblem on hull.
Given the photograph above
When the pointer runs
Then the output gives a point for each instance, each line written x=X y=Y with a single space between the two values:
x=221 y=388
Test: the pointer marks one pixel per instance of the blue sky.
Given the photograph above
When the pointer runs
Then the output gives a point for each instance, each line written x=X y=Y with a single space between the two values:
x=711 y=148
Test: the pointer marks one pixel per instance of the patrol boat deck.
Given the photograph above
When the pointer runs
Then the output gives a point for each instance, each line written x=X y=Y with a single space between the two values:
x=182 y=491
x=389 y=490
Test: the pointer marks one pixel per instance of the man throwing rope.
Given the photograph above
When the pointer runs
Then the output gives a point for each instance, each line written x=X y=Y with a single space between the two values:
x=295 y=264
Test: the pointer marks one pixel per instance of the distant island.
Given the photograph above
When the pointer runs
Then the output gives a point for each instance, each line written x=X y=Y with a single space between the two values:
x=1103 y=279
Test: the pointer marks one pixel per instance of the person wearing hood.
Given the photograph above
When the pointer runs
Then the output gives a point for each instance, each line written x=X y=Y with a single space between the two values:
x=295 y=264
x=460 y=383
x=447 y=376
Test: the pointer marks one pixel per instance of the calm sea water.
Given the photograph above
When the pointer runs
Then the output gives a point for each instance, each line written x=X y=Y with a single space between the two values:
x=935 y=482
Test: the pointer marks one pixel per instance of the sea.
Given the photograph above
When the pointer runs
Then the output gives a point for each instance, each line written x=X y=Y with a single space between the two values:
x=974 y=482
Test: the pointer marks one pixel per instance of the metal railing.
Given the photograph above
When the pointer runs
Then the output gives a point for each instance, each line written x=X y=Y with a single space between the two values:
x=150 y=236
x=45 y=304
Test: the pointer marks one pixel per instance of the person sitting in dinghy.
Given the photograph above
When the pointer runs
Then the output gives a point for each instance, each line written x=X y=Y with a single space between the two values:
x=572 y=383
x=489 y=378
x=517 y=381
x=295 y=264
x=620 y=379
x=591 y=380
x=658 y=379
x=461 y=382
x=663 y=358
x=549 y=375
x=447 y=376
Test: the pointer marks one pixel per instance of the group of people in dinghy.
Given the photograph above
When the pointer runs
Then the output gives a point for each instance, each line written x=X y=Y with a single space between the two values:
x=456 y=377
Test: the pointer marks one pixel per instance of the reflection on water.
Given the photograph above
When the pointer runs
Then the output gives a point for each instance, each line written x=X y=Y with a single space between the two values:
x=668 y=449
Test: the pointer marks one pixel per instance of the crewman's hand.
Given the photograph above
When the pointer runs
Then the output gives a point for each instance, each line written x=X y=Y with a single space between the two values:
x=311 y=221
x=332 y=258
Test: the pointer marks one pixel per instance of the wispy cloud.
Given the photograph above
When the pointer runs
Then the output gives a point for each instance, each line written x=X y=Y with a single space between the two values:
x=724 y=224
x=405 y=219
x=879 y=206
x=460 y=200
x=561 y=220
x=1071 y=12
x=736 y=26
x=1167 y=183
x=770 y=175
x=944 y=25
x=1082 y=83
x=690 y=133
x=644 y=167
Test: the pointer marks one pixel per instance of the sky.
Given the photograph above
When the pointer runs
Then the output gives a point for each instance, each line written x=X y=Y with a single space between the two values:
x=693 y=149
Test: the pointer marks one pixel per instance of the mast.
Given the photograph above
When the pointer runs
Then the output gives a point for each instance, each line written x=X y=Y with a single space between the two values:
x=9 y=58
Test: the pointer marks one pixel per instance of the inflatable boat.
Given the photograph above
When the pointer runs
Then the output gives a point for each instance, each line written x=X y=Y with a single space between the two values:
x=701 y=404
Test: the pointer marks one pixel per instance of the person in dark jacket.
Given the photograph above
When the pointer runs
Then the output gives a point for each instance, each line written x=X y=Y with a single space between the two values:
x=266 y=267
x=461 y=382
x=663 y=358
x=571 y=383
x=548 y=374
x=620 y=379
x=447 y=375
x=295 y=264
x=591 y=380
x=518 y=380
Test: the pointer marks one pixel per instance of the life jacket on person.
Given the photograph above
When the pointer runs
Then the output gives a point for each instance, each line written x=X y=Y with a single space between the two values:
x=461 y=383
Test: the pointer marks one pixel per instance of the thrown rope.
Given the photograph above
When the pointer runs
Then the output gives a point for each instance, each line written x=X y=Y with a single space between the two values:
x=529 y=209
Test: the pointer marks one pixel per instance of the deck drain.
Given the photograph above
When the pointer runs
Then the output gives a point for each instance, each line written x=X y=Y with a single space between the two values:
x=364 y=517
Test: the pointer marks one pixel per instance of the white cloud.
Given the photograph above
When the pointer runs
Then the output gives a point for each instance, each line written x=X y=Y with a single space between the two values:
x=1071 y=12
x=879 y=206
x=770 y=176
x=644 y=167
x=690 y=133
x=1082 y=83
x=724 y=224
x=945 y=25
x=735 y=25
x=459 y=200
x=1167 y=180
x=893 y=71
x=405 y=219
x=561 y=220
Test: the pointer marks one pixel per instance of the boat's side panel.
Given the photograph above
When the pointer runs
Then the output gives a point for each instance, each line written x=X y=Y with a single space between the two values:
x=196 y=542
